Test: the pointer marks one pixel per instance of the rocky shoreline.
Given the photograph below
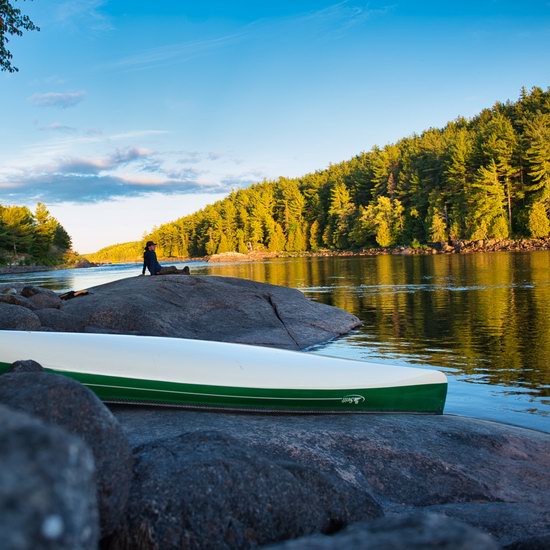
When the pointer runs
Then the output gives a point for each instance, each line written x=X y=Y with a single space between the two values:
x=79 y=475
x=154 y=479
x=453 y=247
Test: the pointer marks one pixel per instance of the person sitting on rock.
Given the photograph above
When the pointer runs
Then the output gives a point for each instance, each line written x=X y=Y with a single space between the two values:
x=151 y=263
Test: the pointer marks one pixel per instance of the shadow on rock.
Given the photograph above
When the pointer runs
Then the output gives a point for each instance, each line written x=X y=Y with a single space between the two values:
x=416 y=531
x=200 y=490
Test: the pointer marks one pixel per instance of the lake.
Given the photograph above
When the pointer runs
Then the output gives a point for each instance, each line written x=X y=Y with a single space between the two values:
x=484 y=319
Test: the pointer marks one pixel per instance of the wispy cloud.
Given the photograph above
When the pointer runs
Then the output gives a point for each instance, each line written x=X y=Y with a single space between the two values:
x=62 y=100
x=175 y=53
x=58 y=127
x=75 y=13
x=245 y=179
x=336 y=18
x=84 y=166
x=195 y=157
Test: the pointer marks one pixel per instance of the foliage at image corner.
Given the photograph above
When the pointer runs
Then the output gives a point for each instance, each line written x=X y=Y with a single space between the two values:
x=12 y=23
x=487 y=177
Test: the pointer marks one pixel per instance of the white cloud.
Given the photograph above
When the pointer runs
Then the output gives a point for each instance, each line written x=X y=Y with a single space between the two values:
x=63 y=100
x=58 y=127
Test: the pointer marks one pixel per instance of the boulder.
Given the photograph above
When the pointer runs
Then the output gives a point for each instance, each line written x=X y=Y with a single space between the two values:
x=210 y=308
x=28 y=291
x=16 y=300
x=59 y=320
x=66 y=403
x=7 y=289
x=47 y=487
x=25 y=366
x=16 y=317
x=43 y=300
x=414 y=531
x=209 y=490
x=491 y=475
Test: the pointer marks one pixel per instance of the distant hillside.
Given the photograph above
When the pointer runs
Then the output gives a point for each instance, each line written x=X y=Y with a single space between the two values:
x=118 y=253
x=28 y=237
x=486 y=177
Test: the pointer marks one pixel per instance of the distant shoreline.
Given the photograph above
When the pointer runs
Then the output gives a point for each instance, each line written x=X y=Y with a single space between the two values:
x=17 y=269
x=458 y=247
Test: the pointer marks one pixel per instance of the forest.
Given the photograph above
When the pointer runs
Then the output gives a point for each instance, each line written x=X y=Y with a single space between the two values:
x=487 y=177
x=28 y=237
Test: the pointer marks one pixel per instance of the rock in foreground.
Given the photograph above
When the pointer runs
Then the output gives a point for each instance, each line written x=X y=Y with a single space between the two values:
x=492 y=476
x=47 y=487
x=68 y=404
x=209 y=490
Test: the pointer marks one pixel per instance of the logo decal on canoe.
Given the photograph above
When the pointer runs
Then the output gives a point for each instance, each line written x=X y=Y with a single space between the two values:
x=352 y=399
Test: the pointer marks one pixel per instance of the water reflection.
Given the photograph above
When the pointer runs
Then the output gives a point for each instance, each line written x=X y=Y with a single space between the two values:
x=482 y=318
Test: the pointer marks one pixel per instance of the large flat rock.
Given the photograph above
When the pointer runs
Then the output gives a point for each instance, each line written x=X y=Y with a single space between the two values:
x=209 y=308
x=491 y=475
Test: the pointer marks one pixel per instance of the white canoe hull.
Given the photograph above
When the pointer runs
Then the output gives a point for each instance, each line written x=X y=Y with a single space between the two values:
x=196 y=373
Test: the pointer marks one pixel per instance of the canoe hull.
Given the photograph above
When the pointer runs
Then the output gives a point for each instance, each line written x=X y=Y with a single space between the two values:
x=155 y=384
x=423 y=398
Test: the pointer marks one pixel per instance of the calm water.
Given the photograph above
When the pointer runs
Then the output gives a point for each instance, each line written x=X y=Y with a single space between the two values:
x=484 y=319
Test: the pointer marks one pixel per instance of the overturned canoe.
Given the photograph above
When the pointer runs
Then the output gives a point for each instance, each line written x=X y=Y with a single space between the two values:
x=204 y=374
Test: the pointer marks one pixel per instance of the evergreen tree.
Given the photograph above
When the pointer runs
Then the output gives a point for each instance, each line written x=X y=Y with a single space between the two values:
x=340 y=213
x=487 y=216
x=457 y=174
x=537 y=136
x=313 y=240
x=539 y=223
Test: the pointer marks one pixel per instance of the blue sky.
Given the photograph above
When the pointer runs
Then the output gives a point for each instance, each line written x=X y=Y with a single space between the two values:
x=129 y=113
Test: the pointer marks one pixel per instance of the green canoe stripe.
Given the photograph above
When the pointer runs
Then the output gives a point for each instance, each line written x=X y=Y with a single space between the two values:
x=418 y=398
x=222 y=394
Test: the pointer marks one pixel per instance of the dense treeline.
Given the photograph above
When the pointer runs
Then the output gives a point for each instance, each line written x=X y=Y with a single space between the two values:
x=487 y=177
x=31 y=237
x=118 y=253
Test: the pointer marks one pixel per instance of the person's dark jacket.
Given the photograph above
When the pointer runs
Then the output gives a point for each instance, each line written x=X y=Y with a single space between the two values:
x=150 y=262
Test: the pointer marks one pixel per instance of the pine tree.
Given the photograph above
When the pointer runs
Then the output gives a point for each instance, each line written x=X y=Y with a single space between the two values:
x=340 y=212
x=438 y=228
x=537 y=136
x=456 y=172
x=382 y=221
x=487 y=216
x=276 y=240
x=539 y=223
x=241 y=244
x=314 y=236
x=497 y=142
